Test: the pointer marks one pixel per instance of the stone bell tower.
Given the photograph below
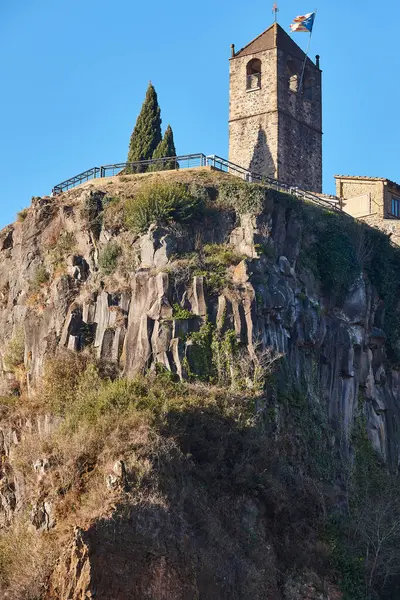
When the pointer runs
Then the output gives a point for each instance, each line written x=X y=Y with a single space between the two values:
x=275 y=124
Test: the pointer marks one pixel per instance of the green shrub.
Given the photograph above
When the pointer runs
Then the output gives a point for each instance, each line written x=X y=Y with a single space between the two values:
x=179 y=313
x=212 y=263
x=337 y=262
x=22 y=214
x=221 y=255
x=91 y=213
x=65 y=245
x=108 y=257
x=61 y=379
x=265 y=249
x=383 y=268
x=349 y=565
x=40 y=278
x=15 y=349
x=160 y=203
x=96 y=398
x=216 y=279
x=243 y=197
x=110 y=200
x=200 y=365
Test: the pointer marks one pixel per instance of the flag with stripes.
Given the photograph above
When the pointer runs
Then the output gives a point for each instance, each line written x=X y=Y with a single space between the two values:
x=303 y=23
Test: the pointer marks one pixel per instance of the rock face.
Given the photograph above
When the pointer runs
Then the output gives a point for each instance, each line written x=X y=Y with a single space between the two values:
x=269 y=301
x=144 y=312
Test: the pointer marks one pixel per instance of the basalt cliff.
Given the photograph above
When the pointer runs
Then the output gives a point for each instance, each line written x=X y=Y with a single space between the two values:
x=200 y=396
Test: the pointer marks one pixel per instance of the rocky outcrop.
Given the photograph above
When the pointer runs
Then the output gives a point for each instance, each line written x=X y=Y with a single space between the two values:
x=157 y=306
x=269 y=299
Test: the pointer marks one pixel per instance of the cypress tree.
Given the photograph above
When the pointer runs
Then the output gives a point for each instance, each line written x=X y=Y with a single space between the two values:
x=146 y=135
x=165 y=148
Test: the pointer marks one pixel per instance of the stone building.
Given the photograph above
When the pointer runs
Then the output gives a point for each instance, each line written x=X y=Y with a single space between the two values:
x=375 y=200
x=275 y=124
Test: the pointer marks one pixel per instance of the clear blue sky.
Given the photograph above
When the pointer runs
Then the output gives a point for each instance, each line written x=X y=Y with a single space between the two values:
x=74 y=74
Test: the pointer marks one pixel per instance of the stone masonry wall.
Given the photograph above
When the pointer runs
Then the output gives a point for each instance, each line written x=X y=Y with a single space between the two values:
x=380 y=193
x=254 y=144
x=273 y=130
x=348 y=189
x=253 y=117
x=389 y=226
x=390 y=191
x=300 y=126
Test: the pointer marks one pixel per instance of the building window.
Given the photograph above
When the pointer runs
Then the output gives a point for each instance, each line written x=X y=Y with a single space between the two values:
x=395 y=207
x=253 y=74
x=308 y=86
x=292 y=75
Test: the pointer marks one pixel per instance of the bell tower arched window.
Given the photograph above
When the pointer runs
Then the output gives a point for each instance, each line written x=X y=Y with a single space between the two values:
x=293 y=76
x=253 y=74
x=308 y=86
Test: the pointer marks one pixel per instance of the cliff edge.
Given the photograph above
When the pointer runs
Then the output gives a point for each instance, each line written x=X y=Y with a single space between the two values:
x=199 y=384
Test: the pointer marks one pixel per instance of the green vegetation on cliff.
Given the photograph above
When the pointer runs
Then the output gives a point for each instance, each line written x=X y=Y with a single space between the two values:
x=161 y=204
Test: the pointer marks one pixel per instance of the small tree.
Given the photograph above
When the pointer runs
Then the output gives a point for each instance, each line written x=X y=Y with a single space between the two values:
x=146 y=135
x=165 y=148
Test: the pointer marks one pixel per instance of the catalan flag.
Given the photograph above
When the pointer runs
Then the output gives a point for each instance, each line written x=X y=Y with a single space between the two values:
x=303 y=23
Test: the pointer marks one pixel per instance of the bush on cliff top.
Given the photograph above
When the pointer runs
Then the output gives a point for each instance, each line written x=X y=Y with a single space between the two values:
x=160 y=203
x=243 y=197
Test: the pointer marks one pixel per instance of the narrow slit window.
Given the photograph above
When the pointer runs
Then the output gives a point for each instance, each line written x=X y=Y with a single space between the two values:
x=308 y=88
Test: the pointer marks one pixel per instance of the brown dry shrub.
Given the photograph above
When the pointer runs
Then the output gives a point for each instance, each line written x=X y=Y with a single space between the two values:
x=60 y=380
x=26 y=561
x=113 y=216
x=15 y=350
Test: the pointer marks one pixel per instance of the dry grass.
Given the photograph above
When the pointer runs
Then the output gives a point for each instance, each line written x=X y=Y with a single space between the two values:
x=26 y=560
x=128 y=185
x=192 y=447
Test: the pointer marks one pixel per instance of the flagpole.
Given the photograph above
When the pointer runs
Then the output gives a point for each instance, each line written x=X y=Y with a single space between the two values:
x=307 y=51
x=305 y=60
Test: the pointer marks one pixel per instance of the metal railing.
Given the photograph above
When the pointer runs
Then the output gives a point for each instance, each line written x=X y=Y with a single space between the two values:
x=190 y=161
x=186 y=161
x=77 y=180
x=225 y=165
